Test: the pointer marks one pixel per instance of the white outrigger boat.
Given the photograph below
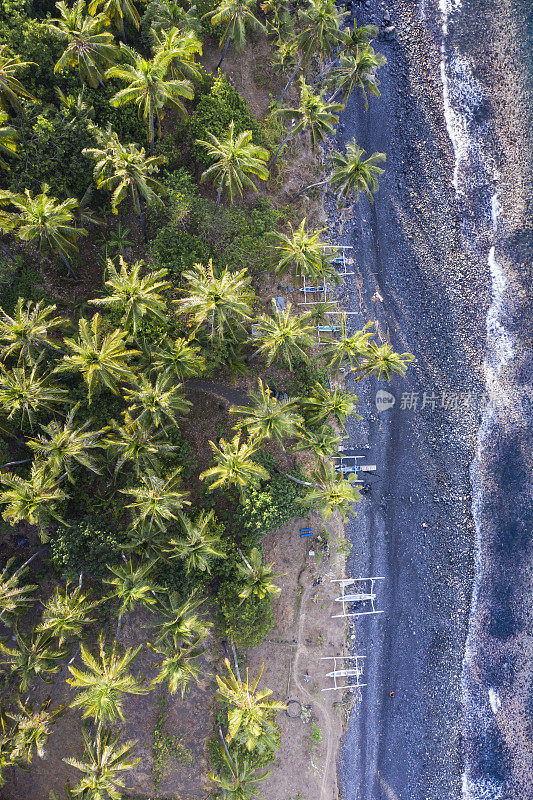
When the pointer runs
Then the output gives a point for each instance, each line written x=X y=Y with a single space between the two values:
x=344 y=673
x=347 y=599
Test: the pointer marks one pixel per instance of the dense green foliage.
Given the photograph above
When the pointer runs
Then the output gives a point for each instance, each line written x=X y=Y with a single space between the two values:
x=103 y=322
x=215 y=111
x=268 y=507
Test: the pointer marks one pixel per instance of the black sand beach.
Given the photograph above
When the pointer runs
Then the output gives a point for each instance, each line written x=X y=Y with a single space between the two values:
x=421 y=731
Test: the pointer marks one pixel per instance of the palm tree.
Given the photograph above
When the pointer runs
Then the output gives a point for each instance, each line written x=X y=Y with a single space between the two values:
x=104 y=682
x=250 y=711
x=303 y=252
x=134 y=295
x=180 y=624
x=149 y=88
x=11 y=89
x=198 y=544
x=8 y=756
x=268 y=418
x=235 y=159
x=239 y=779
x=178 y=667
x=105 y=760
x=89 y=48
x=221 y=300
x=322 y=442
x=138 y=445
x=14 y=598
x=179 y=358
x=258 y=577
x=32 y=729
x=8 y=140
x=357 y=71
x=323 y=403
x=314 y=114
x=181 y=47
x=235 y=465
x=382 y=361
x=100 y=357
x=33 y=499
x=235 y=16
x=332 y=492
x=283 y=334
x=156 y=500
x=352 y=173
x=65 y=446
x=156 y=403
x=320 y=33
x=26 y=333
x=166 y=14
x=24 y=391
x=355 y=38
x=117 y=11
x=133 y=585
x=45 y=221
x=67 y=613
x=31 y=658
x=122 y=168
x=348 y=348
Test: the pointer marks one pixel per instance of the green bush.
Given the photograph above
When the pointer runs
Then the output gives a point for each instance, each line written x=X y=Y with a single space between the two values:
x=214 y=113
x=304 y=376
x=248 y=622
x=269 y=507
x=82 y=547
x=25 y=282
x=176 y=250
x=50 y=152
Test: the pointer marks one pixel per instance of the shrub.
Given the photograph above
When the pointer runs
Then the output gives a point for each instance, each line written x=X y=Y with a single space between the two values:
x=176 y=250
x=82 y=547
x=27 y=283
x=50 y=152
x=304 y=375
x=268 y=507
x=214 y=113
x=248 y=622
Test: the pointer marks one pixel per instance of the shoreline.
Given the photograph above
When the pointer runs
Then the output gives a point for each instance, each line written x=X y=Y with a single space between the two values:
x=416 y=524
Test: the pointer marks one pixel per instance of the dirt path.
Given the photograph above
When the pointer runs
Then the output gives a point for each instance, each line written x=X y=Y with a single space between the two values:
x=319 y=706
x=303 y=634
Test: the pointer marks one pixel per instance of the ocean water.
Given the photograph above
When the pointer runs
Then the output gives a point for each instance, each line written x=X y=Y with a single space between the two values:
x=493 y=715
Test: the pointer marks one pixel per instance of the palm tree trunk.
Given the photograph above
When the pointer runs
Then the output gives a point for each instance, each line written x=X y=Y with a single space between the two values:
x=276 y=154
x=223 y=56
x=326 y=69
x=137 y=207
x=307 y=188
x=334 y=95
x=152 y=134
x=296 y=480
x=15 y=463
x=235 y=661
x=219 y=195
x=64 y=260
x=30 y=559
x=286 y=89
x=245 y=560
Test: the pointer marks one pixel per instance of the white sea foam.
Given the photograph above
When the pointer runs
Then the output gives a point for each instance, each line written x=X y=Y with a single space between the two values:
x=495 y=210
x=494 y=700
x=463 y=98
x=481 y=789
x=500 y=342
